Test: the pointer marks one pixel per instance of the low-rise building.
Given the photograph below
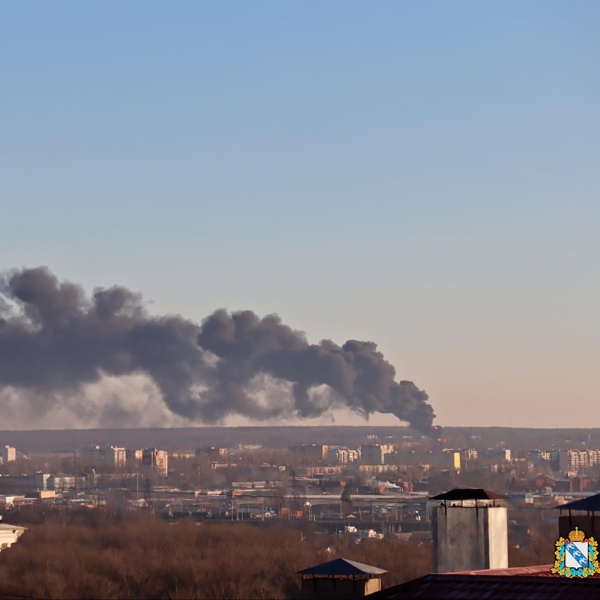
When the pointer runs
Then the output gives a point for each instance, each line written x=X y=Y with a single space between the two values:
x=9 y=534
x=60 y=483
x=447 y=459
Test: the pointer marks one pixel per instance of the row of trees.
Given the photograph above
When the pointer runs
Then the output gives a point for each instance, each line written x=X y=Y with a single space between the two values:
x=113 y=554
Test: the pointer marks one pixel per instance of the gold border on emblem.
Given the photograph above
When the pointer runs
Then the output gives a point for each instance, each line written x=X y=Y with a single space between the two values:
x=559 y=561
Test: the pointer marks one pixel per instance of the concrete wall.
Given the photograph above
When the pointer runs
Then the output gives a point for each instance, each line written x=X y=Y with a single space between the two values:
x=498 y=537
x=467 y=538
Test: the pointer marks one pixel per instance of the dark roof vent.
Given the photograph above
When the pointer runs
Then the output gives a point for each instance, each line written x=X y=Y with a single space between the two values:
x=469 y=494
x=341 y=567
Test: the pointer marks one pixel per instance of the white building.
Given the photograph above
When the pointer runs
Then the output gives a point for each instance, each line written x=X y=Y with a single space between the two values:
x=580 y=461
x=9 y=454
x=9 y=534
x=342 y=456
x=60 y=483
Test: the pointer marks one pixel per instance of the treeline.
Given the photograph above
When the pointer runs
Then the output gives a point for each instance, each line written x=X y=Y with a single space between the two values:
x=112 y=554
x=194 y=437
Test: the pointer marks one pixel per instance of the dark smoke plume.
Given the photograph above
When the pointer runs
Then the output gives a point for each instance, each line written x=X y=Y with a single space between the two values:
x=54 y=339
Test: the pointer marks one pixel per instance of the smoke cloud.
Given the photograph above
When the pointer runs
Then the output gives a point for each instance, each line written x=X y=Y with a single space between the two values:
x=55 y=341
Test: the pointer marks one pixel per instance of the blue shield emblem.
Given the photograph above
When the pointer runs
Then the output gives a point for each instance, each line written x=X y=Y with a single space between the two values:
x=576 y=554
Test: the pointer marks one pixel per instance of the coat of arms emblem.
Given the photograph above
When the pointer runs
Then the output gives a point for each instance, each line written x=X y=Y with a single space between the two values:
x=576 y=556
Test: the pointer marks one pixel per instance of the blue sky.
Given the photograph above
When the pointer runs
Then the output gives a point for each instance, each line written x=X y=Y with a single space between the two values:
x=419 y=174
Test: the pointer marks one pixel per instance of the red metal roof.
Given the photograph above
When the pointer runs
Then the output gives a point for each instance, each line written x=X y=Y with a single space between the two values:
x=533 y=571
x=517 y=583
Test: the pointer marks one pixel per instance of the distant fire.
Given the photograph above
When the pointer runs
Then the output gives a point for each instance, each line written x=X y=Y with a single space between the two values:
x=438 y=430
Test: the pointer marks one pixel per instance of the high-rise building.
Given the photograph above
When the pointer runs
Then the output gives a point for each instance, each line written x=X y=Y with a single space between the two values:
x=118 y=456
x=105 y=456
x=134 y=456
x=156 y=460
x=374 y=454
x=9 y=454
x=577 y=461
x=310 y=454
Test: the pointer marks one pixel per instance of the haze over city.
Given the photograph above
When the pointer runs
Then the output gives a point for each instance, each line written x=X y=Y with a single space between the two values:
x=420 y=176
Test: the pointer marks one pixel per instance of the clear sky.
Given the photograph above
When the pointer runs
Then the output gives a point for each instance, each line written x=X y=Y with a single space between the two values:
x=420 y=174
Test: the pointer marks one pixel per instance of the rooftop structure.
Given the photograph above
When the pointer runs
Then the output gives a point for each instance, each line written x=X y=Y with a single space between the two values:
x=518 y=583
x=589 y=504
x=470 y=531
x=462 y=494
x=341 y=578
x=581 y=514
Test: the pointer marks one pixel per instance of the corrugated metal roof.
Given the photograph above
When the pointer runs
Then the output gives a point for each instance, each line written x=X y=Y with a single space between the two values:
x=590 y=504
x=342 y=567
x=458 y=586
x=469 y=494
x=532 y=571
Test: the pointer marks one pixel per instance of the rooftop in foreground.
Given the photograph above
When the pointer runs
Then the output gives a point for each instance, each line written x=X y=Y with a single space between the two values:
x=516 y=583
x=589 y=504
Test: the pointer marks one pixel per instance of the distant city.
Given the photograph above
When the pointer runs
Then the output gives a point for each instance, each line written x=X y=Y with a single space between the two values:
x=359 y=510
x=388 y=476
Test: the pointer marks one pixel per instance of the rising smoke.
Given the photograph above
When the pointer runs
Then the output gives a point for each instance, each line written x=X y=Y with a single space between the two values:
x=55 y=340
